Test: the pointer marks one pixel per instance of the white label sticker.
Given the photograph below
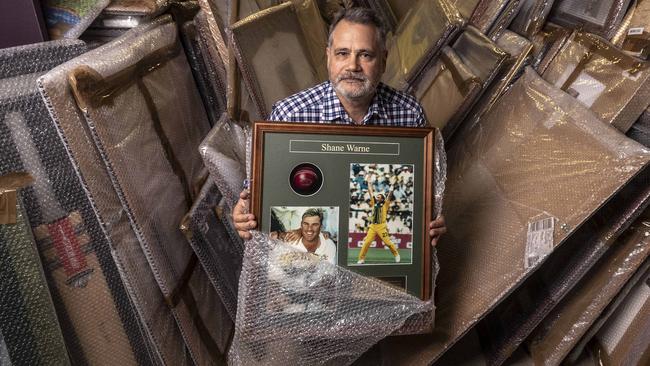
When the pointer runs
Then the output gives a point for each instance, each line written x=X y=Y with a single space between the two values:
x=539 y=241
x=635 y=31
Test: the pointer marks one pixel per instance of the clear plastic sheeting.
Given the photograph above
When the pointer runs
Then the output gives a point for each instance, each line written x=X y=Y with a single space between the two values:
x=601 y=17
x=98 y=322
x=132 y=120
x=428 y=26
x=224 y=152
x=217 y=245
x=569 y=321
x=447 y=90
x=606 y=80
x=70 y=18
x=531 y=17
x=537 y=162
x=29 y=329
x=295 y=309
x=280 y=51
x=625 y=338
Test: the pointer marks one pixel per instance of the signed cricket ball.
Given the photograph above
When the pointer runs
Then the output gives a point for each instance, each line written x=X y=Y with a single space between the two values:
x=306 y=179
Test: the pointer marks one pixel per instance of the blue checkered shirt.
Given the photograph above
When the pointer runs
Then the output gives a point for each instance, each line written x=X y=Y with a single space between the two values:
x=320 y=104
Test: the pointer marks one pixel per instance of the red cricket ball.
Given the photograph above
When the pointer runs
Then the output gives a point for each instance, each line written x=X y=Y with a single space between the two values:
x=306 y=179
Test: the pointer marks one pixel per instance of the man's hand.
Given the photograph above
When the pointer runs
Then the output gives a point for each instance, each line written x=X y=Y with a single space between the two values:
x=243 y=220
x=437 y=227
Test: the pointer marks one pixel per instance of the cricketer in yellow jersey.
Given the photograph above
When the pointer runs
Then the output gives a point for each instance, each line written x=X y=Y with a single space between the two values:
x=379 y=206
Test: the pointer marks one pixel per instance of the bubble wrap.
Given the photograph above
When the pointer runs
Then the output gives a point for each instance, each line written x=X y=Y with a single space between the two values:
x=625 y=337
x=280 y=51
x=516 y=317
x=637 y=34
x=519 y=50
x=547 y=45
x=466 y=7
x=29 y=329
x=601 y=17
x=427 y=27
x=640 y=130
x=498 y=182
x=296 y=309
x=70 y=18
x=554 y=338
x=219 y=248
x=447 y=90
x=612 y=84
x=383 y=9
x=210 y=88
x=138 y=156
x=98 y=321
x=487 y=12
x=531 y=17
x=484 y=59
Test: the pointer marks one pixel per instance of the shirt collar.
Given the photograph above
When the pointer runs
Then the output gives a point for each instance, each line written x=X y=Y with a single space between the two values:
x=333 y=109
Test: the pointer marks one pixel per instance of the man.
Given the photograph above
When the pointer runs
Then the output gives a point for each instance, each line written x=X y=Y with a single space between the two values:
x=356 y=59
x=311 y=239
x=379 y=206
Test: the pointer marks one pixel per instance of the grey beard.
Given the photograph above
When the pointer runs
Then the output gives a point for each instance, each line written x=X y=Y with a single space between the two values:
x=366 y=88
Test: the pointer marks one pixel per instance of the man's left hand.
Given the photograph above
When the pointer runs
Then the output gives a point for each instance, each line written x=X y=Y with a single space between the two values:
x=437 y=227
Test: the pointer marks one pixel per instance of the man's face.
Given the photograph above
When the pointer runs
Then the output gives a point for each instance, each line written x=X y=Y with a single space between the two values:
x=355 y=60
x=380 y=198
x=310 y=227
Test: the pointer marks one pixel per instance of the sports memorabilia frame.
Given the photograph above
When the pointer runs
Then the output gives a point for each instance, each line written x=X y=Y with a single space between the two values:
x=367 y=189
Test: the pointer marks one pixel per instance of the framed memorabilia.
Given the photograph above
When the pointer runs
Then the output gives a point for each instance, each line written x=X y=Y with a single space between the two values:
x=360 y=197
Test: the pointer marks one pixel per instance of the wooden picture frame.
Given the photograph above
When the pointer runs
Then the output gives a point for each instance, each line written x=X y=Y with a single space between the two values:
x=348 y=163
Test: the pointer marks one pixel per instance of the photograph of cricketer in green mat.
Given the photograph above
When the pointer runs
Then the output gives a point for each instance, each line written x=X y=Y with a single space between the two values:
x=381 y=214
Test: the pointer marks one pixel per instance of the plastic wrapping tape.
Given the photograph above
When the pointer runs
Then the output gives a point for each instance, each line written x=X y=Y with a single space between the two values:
x=70 y=18
x=419 y=38
x=531 y=17
x=567 y=324
x=602 y=17
x=132 y=120
x=612 y=84
x=535 y=134
x=625 y=338
x=447 y=90
x=29 y=329
x=99 y=323
x=269 y=74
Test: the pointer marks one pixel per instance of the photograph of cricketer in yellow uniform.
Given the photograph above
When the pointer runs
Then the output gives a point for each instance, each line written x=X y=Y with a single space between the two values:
x=380 y=214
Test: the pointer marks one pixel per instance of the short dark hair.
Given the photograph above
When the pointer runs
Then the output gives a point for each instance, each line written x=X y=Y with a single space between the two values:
x=360 y=15
x=313 y=212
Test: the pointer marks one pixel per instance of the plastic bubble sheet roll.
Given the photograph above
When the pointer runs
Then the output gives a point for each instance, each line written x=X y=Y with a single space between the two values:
x=29 y=329
x=99 y=323
x=132 y=119
x=601 y=17
x=295 y=309
x=498 y=195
